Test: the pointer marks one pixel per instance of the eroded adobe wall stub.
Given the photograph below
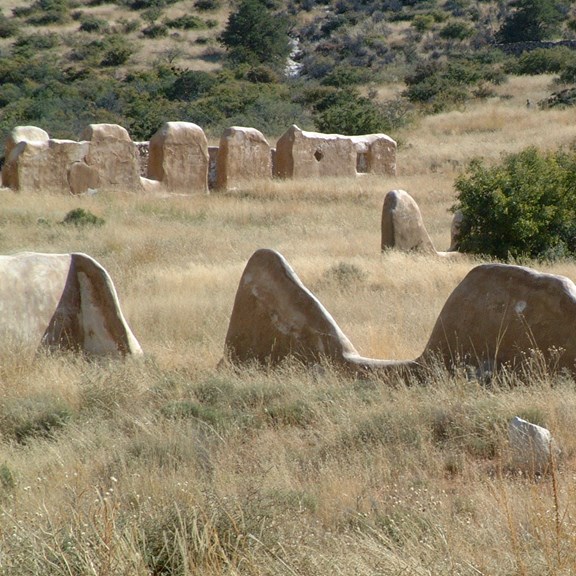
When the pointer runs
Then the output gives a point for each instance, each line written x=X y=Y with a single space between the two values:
x=42 y=166
x=302 y=154
x=501 y=314
x=112 y=153
x=379 y=154
x=178 y=158
x=17 y=154
x=244 y=154
x=402 y=226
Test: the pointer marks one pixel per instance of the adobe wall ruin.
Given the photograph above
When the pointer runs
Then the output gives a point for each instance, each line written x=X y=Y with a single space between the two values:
x=178 y=159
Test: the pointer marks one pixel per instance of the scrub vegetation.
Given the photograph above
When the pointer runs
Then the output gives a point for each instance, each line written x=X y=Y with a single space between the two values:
x=67 y=63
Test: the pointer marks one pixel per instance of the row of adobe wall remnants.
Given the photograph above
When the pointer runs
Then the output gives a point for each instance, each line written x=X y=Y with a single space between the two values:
x=178 y=159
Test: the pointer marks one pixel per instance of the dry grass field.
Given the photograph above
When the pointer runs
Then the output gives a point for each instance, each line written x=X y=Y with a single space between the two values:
x=169 y=466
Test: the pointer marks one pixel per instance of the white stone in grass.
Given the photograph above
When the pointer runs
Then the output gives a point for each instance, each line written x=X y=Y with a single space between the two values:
x=533 y=447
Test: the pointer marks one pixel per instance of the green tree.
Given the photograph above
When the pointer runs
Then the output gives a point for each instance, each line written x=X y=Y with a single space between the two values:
x=530 y=20
x=255 y=34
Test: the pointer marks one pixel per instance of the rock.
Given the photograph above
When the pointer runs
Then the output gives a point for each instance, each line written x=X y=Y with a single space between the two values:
x=533 y=449
x=24 y=134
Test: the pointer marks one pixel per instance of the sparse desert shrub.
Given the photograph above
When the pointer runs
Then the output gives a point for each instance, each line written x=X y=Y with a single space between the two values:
x=523 y=207
x=28 y=45
x=186 y=22
x=45 y=12
x=456 y=30
x=81 y=217
x=345 y=274
x=8 y=27
x=155 y=31
x=93 y=24
x=207 y=4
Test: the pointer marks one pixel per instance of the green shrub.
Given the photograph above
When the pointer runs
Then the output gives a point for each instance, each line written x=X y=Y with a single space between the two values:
x=93 y=24
x=46 y=12
x=207 y=4
x=155 y=31
x=440 y=85
x=254 y=34
x=186 y=22
x=28 y=45
x=456 y=31
x=81 y=217
x=423 y=22
x=568 y=74
x=544 y=61
x=524 y=207
x=345 y=75
x=116 y=51
x=8 y=27
x=346 y=112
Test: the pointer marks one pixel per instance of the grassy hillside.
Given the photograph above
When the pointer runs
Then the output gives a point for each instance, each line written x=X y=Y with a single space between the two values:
x=170 y=466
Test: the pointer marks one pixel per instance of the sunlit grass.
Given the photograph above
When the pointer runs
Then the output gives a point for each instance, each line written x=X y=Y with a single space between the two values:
x=171 y=466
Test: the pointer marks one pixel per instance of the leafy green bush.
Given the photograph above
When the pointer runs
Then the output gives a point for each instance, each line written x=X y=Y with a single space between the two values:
x=8 y=27
x=456 y=30
x=81 y=217
x=186 y=22
x=155 y=31
x=530 y=21
x=207 y=4
x=93 y=24
x=440 y=85
x=524 y=207
x=544 y=61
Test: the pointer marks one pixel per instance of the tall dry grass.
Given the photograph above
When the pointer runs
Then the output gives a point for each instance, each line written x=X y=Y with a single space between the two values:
x=170 y=466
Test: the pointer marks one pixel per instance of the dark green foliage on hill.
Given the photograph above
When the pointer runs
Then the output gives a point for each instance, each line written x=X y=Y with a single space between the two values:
x=543 y=61
x=63 y=78
x=8 y=27
x=525 y=207
x=531 y=21
x=255 y=34
x=440 y=85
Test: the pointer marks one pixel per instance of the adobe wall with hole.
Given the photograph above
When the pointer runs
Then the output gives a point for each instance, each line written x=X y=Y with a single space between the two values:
x=178 y=159
x=301 y=154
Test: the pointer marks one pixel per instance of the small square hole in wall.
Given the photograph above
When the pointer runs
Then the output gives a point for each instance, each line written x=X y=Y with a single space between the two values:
x=318 y=155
